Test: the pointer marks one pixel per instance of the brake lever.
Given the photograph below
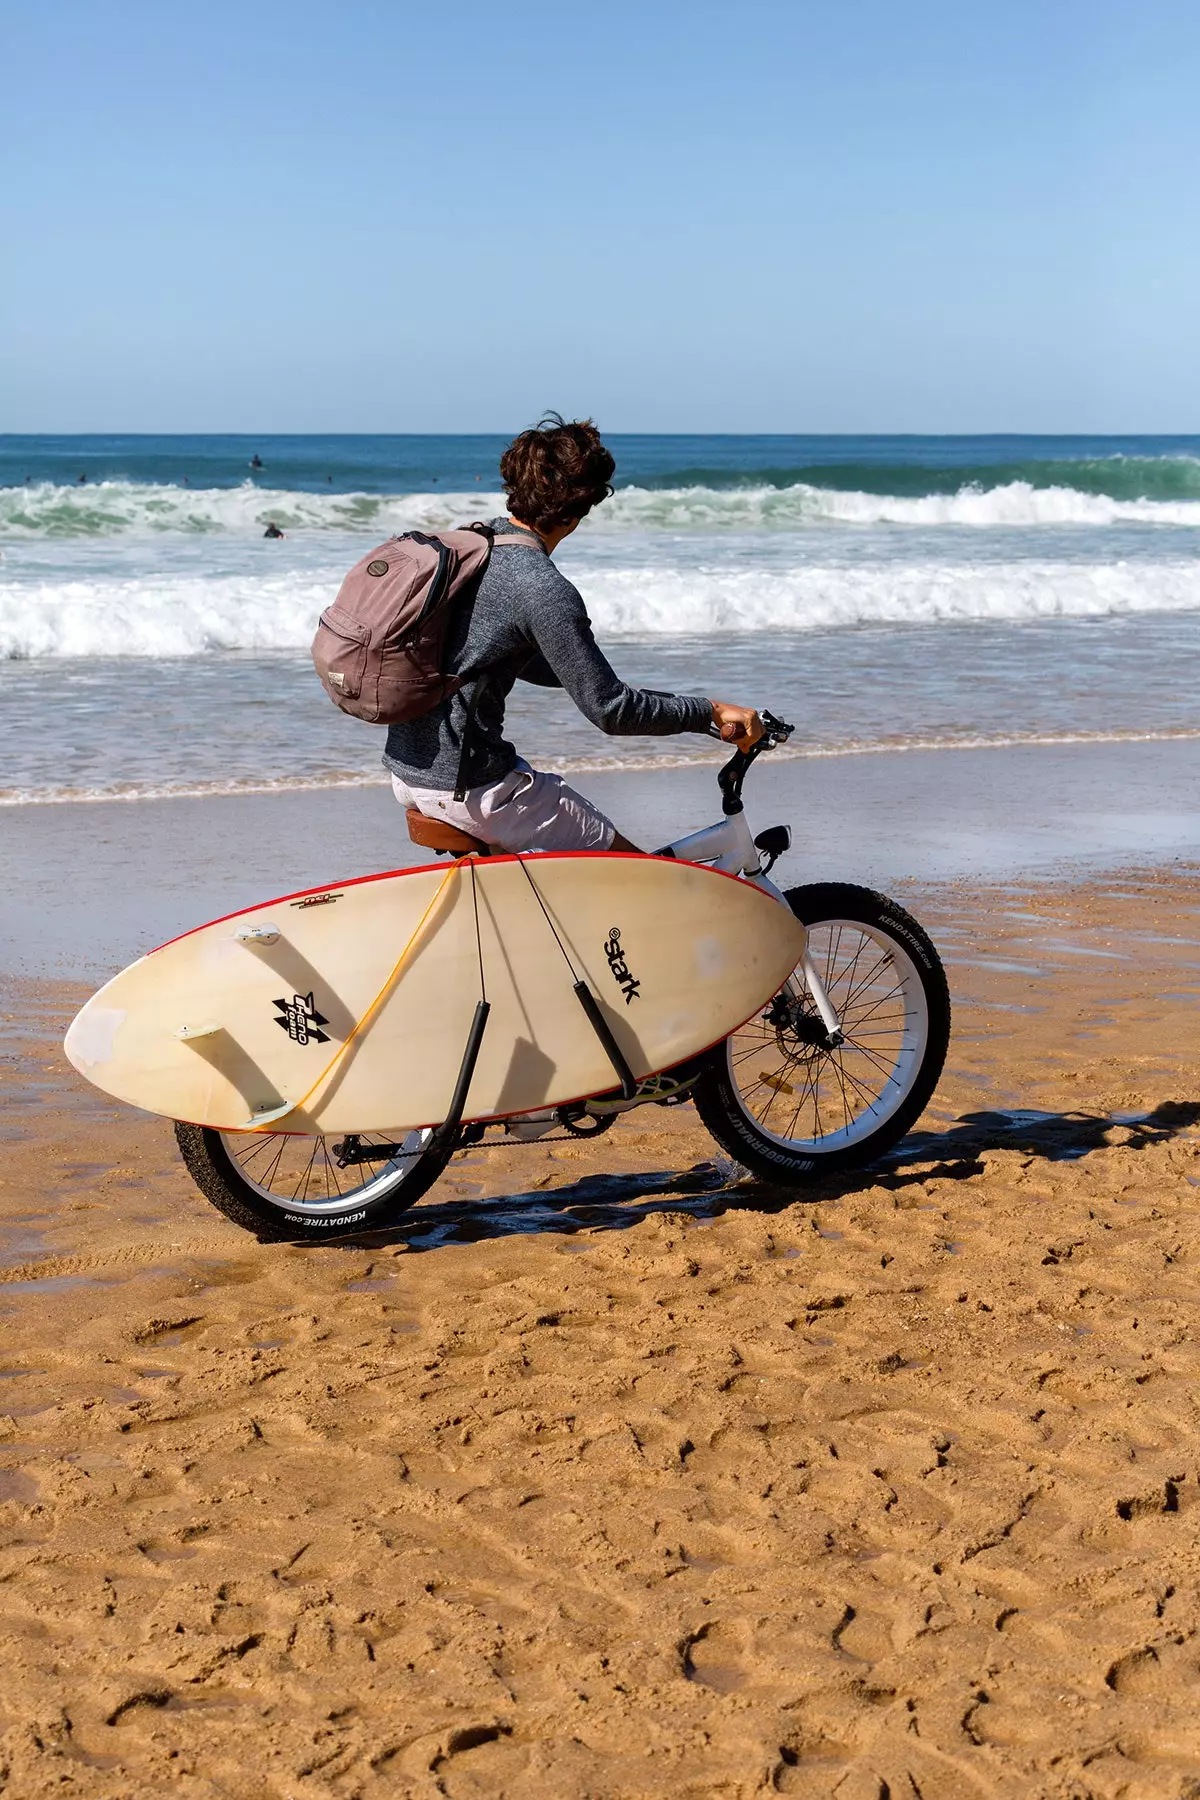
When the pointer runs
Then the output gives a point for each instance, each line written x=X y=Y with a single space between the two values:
x=777 y=731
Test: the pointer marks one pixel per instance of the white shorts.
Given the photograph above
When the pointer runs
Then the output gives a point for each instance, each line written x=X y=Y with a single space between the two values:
x=525 y=810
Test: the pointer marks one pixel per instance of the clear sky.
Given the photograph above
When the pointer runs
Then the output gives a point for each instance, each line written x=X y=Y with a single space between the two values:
x=759 y=215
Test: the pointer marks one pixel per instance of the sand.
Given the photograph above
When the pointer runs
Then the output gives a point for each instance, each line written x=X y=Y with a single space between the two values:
x=607 y=1477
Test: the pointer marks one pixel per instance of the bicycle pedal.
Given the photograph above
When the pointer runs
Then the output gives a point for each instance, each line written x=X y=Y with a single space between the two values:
x=655 y=1090
x=528 y=1127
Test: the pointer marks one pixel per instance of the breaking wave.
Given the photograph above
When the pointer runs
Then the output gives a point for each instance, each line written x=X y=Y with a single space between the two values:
x=1017 y=503
x=188 y=615
x=1119 y=477
x=120 y=508
x=117 y=508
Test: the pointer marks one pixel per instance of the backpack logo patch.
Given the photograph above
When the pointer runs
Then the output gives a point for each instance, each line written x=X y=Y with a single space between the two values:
x=378 y=567
x=301 y=1020
x=621 y=974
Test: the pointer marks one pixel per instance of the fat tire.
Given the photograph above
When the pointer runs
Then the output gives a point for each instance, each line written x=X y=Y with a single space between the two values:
x=716 y=1096
x=214 y=1172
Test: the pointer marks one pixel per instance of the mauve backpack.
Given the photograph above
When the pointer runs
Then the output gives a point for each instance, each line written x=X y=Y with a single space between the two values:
x=380 y=647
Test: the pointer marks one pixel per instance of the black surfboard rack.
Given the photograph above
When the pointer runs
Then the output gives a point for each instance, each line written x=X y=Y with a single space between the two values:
x=446 y=1135
x=447 y=1132
x=600 y=1025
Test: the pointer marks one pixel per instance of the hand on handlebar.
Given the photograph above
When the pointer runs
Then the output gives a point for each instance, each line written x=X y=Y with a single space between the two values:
x=737 y=724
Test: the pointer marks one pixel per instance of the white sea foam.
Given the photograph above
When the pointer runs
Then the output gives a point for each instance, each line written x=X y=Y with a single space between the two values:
x=823 y=597
x=188 y=615
x=116 y=508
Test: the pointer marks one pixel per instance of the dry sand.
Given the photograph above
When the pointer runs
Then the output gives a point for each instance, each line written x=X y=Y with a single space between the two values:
x=603 y=1479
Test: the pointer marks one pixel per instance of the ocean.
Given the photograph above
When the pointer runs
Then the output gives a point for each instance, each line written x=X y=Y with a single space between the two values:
x=883 y=593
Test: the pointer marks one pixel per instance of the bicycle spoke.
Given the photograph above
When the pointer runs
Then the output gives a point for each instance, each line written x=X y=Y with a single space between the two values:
x=803 y=1093
x=304 y=1178
x=330 y=1173
x=295 y=1172
x=869 y=1012
x=261 y=1142
x=861 y=985
x=274 y=1168
x=878 y=1062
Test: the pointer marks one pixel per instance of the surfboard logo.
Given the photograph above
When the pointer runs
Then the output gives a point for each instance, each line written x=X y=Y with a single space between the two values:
x=622 y=975
x=301 y=1020
x=315 y=900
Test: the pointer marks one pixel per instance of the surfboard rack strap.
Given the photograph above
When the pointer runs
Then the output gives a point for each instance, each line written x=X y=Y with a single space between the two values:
x=447 y=1131
x=599 y=1024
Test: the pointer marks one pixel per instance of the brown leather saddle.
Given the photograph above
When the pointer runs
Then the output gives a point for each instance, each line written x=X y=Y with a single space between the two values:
x=439 y=835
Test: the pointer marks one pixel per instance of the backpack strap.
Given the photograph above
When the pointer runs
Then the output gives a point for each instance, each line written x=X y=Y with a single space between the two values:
x=529 y=541
x=523 y=541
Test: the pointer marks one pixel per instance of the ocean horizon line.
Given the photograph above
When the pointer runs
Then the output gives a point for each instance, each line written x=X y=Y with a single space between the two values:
x=243 y=433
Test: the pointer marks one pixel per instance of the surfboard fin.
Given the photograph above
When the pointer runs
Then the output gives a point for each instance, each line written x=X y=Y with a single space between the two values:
x=187 y=1034
x=259 y=1119
x=257 y=934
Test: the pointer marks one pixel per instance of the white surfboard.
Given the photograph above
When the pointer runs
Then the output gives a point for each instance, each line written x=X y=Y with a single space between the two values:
x=348 y=1008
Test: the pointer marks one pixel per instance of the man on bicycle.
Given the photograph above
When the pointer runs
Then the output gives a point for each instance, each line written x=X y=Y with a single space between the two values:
x=528 y=623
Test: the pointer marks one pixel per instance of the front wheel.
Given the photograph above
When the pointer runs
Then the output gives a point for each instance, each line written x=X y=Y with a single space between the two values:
x=789 y=1104
x=284 y=1187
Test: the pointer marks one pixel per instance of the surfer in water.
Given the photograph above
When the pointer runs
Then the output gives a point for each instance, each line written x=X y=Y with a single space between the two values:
x=529 y=623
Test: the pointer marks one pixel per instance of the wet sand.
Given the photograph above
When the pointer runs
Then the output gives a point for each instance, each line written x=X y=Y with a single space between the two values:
x=604 y=1476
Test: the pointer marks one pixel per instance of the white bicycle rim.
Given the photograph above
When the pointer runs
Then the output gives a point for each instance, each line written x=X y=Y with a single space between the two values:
x=301 y=1174
x=809 y=1099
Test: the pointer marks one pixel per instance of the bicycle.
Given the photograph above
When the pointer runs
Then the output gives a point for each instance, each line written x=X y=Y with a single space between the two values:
x=830 y=1074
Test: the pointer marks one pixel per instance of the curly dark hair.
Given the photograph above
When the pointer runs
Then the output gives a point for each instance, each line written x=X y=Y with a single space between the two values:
x=555 y=472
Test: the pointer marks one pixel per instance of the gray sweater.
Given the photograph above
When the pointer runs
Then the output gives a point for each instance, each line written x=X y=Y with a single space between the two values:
x=527 y=623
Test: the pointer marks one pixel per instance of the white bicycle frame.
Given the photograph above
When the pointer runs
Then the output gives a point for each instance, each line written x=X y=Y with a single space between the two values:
x=730 y=847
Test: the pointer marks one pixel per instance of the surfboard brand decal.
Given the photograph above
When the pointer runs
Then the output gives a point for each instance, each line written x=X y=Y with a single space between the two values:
x=301 y=1020
x=627 y=983
x=315 y=900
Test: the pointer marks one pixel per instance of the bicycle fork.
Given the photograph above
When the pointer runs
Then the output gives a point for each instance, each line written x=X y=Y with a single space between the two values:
x=794 y=987
x=820 y=999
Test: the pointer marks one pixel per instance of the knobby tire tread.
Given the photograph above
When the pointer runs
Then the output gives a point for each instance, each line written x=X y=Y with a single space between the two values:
x=214 y=1173
x=714 y=1094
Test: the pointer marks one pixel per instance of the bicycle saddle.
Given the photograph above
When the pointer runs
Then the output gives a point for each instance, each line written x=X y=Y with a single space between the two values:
x=444 y=838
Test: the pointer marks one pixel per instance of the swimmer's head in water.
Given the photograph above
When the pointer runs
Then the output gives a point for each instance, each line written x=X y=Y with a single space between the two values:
x=555 y=473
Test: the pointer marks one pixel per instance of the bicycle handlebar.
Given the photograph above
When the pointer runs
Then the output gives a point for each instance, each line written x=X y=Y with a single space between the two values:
x=778 y=731
x=734 y=772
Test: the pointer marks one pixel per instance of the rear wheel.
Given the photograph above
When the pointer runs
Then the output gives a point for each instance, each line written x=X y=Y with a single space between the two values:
x=285 y=1187
x=791 y=1104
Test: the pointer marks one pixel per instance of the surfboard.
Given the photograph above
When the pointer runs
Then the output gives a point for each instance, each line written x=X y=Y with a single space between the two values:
x=348 y=1008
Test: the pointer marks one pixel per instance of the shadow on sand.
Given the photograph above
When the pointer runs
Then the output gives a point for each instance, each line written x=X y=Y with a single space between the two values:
x=705 y=1191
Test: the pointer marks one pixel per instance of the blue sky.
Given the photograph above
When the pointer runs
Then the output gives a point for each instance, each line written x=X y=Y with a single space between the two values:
x=672 y=214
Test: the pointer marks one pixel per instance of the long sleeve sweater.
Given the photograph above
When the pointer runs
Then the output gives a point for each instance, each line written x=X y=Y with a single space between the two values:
x=527 y=622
